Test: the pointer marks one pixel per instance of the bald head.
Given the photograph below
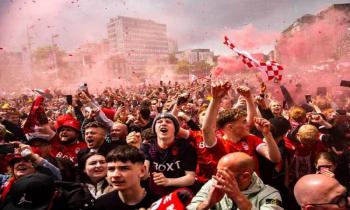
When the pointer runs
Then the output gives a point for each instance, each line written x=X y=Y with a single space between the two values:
x=237 y=162
x=326 y=188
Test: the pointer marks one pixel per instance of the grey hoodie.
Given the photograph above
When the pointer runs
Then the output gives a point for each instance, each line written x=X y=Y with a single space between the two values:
x=261 y=196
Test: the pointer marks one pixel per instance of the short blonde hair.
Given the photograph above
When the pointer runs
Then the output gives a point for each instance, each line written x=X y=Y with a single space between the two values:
x=307 y=134
x=297 y=113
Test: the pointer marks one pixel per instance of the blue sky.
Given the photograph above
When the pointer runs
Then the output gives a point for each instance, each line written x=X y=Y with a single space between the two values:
x=193 y=23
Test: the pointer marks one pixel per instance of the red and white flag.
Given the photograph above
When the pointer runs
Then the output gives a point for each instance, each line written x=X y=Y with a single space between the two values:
x=271 y=68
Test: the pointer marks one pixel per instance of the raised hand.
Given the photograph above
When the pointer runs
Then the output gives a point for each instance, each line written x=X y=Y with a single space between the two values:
x=262 y=125
x=244 y=91
x=219 y=89
x=134 y=139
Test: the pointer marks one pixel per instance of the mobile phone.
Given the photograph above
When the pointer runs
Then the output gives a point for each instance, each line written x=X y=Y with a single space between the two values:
x=83 y=87
x=308 y=98
x=345 y=83
x=69 y=99
x=7 y=148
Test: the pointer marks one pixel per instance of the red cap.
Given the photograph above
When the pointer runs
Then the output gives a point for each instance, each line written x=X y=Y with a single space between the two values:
x=72 y=123
x=12 y=157
x=61 y=119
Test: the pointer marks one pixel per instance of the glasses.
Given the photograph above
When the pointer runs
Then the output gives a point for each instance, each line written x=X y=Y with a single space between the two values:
x=341 y=202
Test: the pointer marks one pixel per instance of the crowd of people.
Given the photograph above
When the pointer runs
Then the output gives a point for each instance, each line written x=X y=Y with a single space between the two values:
x=206 y=144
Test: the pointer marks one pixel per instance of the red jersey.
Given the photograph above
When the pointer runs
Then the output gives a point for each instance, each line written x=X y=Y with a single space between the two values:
x=301 y=158
x=67 y=151
x=206 y=164
x=249 y=145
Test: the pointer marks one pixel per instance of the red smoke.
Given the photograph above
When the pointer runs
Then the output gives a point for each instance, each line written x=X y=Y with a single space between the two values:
x=313 y=42
x=248 y=37
x=227 y=65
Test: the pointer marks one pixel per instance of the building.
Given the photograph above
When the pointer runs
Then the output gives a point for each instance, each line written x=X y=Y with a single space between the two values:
x=139 y=41
x=196 y=55
x=12 y=67
x=332 y=40
x=173 y=48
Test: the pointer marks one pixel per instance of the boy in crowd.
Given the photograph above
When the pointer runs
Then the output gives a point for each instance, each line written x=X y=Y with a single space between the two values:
x=125 y=169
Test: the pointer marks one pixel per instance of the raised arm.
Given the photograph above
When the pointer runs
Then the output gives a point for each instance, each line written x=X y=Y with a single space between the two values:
x=251 y=108
x=218 y=91
x=270 y=150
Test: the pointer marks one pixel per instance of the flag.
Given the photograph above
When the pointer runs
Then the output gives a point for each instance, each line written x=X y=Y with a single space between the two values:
x=36 y=116
x=271 y=68
x=177 y=200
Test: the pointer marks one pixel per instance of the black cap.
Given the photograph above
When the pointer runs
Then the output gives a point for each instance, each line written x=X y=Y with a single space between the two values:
x=169 y=116
x=31 y=192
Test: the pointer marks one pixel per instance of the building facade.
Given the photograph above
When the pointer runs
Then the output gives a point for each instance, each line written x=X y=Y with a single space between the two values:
x=196 y=55
x=139 y=41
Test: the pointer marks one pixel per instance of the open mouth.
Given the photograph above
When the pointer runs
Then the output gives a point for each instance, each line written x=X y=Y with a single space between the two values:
x=163 y=129
x=89 y=141
x=118 y=182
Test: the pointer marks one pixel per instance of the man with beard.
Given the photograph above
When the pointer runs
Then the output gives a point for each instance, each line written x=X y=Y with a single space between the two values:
x=118 y=133
x=66 y=144
x=125 y=168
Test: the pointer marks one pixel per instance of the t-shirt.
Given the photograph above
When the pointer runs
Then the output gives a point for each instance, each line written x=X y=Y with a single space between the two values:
x=301 y=158
x=249 y=145
x=181 y=156
x=112 y=201
x=206 y=164
x=66 y=151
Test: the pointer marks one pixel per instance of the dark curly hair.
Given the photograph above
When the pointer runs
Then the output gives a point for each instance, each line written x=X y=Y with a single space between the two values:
x=228 y=116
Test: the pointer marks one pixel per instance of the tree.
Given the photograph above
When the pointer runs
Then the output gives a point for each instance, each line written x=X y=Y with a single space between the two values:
x=202 y=68
x=183 y=67
x=172 y=58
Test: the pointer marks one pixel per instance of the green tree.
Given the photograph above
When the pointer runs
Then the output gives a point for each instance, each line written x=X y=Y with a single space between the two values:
x=202 y=68
x=183 y=67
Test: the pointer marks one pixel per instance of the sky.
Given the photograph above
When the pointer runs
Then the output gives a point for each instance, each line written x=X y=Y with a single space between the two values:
x=193 y=23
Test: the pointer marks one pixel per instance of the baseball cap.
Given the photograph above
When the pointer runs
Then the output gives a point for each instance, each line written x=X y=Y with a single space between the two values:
x=31 y=192
x=72 y=123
